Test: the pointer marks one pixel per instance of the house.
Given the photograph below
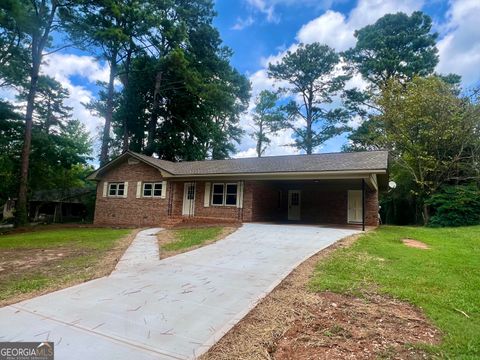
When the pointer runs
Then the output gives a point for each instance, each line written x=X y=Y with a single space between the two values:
x=332 y=188
x=54 y=205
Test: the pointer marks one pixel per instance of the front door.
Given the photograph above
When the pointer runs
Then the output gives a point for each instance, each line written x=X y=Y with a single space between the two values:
x=294 y=202
x=355 y=206
x=188 y=199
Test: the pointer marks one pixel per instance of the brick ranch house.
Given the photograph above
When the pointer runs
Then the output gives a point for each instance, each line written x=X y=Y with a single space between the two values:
x=333 y=188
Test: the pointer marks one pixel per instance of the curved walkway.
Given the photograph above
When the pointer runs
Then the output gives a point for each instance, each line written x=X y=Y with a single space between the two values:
x=174 y=308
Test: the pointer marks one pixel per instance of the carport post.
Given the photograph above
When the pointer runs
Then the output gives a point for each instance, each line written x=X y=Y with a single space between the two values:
x=363 y=204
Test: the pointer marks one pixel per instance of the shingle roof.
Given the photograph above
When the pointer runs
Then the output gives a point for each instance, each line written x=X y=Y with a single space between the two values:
x=367 y=160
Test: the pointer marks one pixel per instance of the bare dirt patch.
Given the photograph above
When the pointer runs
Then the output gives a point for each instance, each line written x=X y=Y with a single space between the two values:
x=415 y=244
x=294 y=323
x=168 y=236
x=57 y=264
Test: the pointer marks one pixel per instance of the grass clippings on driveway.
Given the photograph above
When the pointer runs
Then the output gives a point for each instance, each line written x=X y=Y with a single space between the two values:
x=293 y=322
x=176 y=241
x=37 y=262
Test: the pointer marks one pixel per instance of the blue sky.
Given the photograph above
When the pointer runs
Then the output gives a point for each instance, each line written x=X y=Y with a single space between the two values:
x=260 y=31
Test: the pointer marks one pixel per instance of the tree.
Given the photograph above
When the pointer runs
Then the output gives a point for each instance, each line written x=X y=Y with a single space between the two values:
x=182 y=91
x=49 y=109
x=434 y=134
x=397 y=46
x=13 y=44
x=267 y=119
x=113 y=26
x=34 y=20
x=310 y=72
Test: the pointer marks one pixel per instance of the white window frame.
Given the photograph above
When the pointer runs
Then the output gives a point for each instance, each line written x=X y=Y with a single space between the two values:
x=116 y=183
x=153 y=184
x=224 y=194
x=214 y=193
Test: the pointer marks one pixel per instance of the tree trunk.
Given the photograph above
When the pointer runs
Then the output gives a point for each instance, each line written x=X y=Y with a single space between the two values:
x=125 y=84
x=259 y=141
x=308 y=138
x=152 y=124
x=426 y=214
x=109 y=110
x=21 y=216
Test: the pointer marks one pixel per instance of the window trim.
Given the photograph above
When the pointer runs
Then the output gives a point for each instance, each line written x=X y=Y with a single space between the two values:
x=153 y=183
x=224 y=194
x=214 y=193
x=116 y=183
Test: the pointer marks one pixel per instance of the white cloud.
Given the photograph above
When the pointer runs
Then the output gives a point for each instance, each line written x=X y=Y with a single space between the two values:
x=336 y=30
x=459 y=49
x=243 y=23
x=332 y=28
x=265 y=7
x=63 y=67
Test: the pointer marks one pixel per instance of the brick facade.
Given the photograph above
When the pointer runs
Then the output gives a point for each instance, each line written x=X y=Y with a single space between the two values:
x=262 y=201
x=130 y=210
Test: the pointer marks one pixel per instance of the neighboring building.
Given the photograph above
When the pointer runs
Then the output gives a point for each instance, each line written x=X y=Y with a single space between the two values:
x=59 y=205
x=135 y=189
x=55 y=205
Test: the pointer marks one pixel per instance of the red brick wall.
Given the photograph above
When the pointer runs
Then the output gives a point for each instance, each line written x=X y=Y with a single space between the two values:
x=130 y=210
x=260 y=201
x=219 y=212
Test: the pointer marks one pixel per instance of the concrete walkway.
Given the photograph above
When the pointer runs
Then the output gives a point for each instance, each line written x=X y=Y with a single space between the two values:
x=170 y=309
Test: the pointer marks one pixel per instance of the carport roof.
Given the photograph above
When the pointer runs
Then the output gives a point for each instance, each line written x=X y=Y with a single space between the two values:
x=367 y=161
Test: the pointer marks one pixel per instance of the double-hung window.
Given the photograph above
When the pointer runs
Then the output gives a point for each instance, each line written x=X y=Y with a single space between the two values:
x=224 y=194
x=116 y=189
x=152 y=189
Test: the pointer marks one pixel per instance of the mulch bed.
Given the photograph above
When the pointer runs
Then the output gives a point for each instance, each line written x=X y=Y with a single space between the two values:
x=294 y=323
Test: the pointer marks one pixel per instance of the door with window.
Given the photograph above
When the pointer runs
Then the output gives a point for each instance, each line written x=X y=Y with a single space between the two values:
x=188 y=199
x=355 y=206
x=294 y=204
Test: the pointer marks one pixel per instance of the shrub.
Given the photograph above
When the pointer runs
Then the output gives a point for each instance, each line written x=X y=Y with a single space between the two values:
x=457 y=205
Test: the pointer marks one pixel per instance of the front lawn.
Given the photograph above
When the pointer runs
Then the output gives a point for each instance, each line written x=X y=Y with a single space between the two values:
x=444 y=280
x=176 y=241
x=40 y=261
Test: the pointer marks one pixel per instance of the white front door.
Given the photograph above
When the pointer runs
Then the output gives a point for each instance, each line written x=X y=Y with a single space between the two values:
x=188 y=208
x=355 y=206
x=294 y=203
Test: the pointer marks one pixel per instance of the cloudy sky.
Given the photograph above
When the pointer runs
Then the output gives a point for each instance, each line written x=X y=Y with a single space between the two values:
x=259 y=31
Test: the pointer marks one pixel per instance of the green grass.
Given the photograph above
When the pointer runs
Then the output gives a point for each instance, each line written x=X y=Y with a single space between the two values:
x=85 y=246
x=442 y=281
x=187 y=238
x=90 y=238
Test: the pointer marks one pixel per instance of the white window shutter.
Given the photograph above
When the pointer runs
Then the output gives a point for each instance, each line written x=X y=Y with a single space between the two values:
x=105 y=188
x=164 y=190
x=139 y=189
x=240 y=194
x=206 y=198
x=125 y=193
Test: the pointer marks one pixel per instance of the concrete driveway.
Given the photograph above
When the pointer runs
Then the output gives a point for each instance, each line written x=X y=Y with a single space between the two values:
x=174 y=308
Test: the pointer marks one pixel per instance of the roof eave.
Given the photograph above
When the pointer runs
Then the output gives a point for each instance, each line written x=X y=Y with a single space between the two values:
x=94 y=175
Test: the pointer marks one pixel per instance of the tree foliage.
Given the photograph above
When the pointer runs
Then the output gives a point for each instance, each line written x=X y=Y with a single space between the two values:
x=457 y=205
x=397 y=46
x=432 y=133
x=310 y=73
x=267 y=119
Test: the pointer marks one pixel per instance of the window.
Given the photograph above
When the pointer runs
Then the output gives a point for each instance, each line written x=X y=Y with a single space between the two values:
x=217 y=194
x=224 y=194
x=116 y=189
x=152 y=189
x=231 y=195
